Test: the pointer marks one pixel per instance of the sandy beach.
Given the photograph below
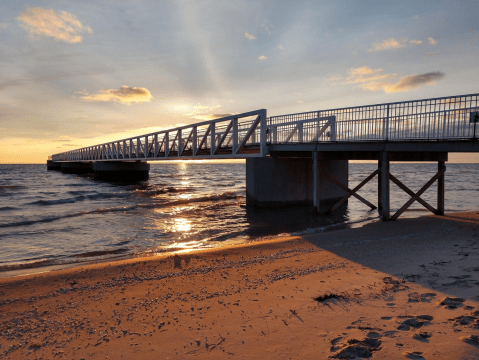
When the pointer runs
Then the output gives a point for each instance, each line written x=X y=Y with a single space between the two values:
x=405 y=289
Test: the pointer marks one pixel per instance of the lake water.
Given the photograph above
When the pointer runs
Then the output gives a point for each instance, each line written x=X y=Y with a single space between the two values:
x=49 y=219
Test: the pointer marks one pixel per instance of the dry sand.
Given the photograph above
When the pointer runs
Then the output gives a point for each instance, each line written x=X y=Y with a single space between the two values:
x=390 y=290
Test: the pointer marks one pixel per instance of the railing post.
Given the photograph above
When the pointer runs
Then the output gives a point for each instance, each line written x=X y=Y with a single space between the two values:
x=213 y=138
x=195 y=140
x=138 y=142
x=300 y=132
x=262 y=138
x=146 y=147
x=235 y=135
x=167 y=144
x=123 y=150
x=180 y=142
x=386 y=128
x=130 y=149
x=332 y=123
x=155 y=140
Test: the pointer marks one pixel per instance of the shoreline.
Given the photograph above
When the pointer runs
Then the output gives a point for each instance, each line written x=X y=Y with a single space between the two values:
x=405 y=289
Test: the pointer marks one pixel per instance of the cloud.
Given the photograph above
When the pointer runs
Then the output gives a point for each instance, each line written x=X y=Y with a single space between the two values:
x=207 y=117
x=262 y=57
x=393 y=43
x=410 y=82
x=388 y=44
x=124 y=95
x=280 y=46
x=46 y=22
x=432 y=41
x=3 y=25
x=416 y=42
x=249 y=36
x=376 y=80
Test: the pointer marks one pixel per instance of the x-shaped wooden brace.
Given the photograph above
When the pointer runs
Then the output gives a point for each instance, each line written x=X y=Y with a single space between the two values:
x=349 y=191
x=415 y=196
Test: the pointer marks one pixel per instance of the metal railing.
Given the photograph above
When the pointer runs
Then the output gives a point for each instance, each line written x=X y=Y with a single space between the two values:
x=241 y=135
x=447 y=118
x=248 y=134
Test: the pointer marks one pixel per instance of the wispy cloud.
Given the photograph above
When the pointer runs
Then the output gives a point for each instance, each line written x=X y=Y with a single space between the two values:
x=393 y=43
x=416 y=42
x=62 y=26
x=262 y=57
x=410 y=82
x=376 y=80
x=387 y=44
x=280 y=46
x=3 y=25
x=249 y=36
x=124 y=95
x=432 y=41
x=207 y=117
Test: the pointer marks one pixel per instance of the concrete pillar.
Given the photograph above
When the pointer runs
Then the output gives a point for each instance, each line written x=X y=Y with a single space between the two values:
x=440 y=188
x=279 y=182
x=121 y=171
x=53 y=165
x=384 y=191
x=77 y=167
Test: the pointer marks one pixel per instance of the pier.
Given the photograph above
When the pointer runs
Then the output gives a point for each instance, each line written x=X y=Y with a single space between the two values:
x=302 y=159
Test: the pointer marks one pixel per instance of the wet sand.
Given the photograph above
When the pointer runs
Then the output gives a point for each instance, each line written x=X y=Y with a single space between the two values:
x=406 y=289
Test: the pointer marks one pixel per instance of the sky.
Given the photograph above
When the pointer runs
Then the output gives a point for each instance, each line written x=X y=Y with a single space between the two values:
x=79 y=73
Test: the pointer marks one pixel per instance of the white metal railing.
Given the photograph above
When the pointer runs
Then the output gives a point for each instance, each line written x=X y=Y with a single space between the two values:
x=446 y=118
x=248 y=134
x=242 y=135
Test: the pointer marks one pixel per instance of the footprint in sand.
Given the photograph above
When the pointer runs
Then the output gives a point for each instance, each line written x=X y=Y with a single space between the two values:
x=471 y=340
x=422 y=336
x=354 y=348
x=416 y=297
x=415 y=322
x=416 y=355
x=452 y=302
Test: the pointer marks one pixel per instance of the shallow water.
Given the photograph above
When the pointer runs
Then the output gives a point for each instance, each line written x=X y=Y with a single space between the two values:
x=50 y=218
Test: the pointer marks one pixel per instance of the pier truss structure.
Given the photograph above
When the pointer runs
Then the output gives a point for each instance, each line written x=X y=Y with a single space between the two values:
x=416 y=130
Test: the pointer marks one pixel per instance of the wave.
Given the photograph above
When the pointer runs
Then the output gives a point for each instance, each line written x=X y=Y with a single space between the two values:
x=55 y=218
x=231 y=195
x=7 y=208
x=167 y=190
x=80 y=198
x=62 y=260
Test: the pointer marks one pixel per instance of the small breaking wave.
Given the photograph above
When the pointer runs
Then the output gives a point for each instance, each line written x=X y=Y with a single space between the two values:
x=55 y=218
x=79 y=198
x=231 y=195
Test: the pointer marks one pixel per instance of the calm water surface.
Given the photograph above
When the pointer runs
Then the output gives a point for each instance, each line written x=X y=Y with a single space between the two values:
x=50 y=218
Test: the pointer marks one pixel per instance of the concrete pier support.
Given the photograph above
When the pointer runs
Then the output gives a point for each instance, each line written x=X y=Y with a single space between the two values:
x=279 y=182
x=76 y=167
x=54 y=165
x=121 y=171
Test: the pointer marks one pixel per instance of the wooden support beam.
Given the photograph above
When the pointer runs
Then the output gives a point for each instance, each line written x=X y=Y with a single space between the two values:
x=353 y=192
x=384 y=171
x=417 y=195
x=440 y=188
x=345 y=188
x=411 y=193
x=316 y=202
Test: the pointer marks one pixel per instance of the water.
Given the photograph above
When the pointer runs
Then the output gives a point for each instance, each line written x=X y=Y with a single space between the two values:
x=49 y=218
